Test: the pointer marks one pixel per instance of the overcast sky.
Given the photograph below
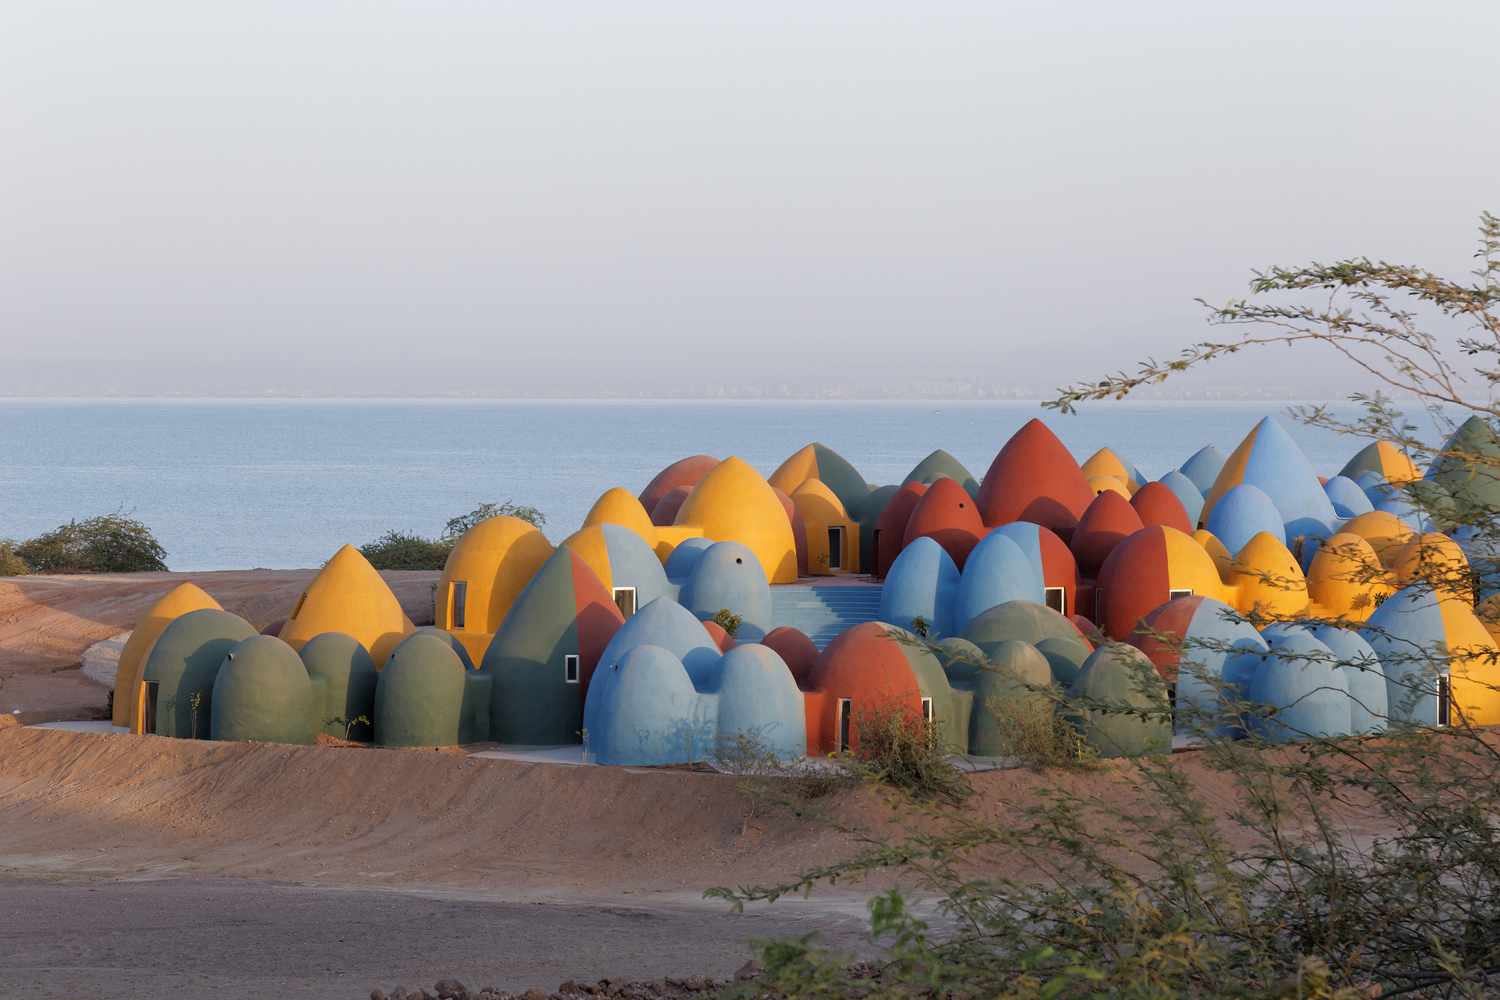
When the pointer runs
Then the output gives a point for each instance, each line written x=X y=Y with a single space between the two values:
x=412 y=197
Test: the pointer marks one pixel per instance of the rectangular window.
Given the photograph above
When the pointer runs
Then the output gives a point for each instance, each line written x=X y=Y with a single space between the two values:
x=926 y=709
x=625 y=600
x=148 y=705
x=570 y=668
x=1172 y=595
x=1099 y=606
x=1057 y=599
x=458 y=598
x=1445 y=701
x=846 y=709
x=836 y=548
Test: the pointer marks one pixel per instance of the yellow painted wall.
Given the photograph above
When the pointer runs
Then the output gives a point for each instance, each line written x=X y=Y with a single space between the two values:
x=496 y=558
x=349 y=596
x=733 y=503
x=1105 y=462
x=1265 y=577
x=821 y=510
x=1345 y=577
x=796 y=470
x=179 y=601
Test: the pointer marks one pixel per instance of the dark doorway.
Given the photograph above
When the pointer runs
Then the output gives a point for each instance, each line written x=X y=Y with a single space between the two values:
x=836 y=548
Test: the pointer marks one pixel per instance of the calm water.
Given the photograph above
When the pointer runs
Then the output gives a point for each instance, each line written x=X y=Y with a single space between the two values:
x=231 y=484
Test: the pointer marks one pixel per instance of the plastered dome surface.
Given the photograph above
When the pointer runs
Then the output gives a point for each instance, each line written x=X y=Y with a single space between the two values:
x=733 y=503
x=348 y=675
x=349 y=596
x=1269 y=459
x=818 y=461
x=181 y=670
x=939 y=464
x=485 y=573
x=263 y=692
x=1034 y=478
x=179 y=601
x=683 y=473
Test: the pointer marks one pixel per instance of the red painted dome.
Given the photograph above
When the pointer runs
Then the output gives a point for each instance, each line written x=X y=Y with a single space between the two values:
x=946 y=514
x=890 y=527
x=1107 y=522
x=1035 y=479
x=795 y=649
x=1157 y=504
x=664 y=514
x=685 y=472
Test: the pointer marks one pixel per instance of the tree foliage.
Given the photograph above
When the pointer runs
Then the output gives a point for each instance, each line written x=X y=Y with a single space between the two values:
x=401 y=550
x=110 y=543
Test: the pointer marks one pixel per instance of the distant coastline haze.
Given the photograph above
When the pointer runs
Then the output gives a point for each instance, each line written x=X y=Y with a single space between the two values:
x=662 y=199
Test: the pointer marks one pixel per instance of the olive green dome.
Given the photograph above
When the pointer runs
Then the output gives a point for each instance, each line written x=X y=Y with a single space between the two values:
x=1066 y=656
x=419 y=698
x=1016 y=687
x=1024 y=620
x=182 y=667
x=1122 y=706
x=961 y=659
x=349 y=675
x=263 y=693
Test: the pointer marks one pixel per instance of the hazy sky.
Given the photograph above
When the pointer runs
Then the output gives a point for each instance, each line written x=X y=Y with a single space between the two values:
x=215 y=197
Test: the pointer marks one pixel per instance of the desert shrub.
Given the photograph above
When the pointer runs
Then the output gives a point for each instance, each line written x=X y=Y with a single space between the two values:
x=1035 y=734
x=766 y=777
x=898 y=747
x=728 y=621
x=10 y=563
x=110 y=543
x=398 y=550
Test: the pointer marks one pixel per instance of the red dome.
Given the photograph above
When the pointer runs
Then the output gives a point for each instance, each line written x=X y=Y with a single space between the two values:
x=890 y=527
x=721 y=638
x=946 y=514
x=664 y=514
x=685 y=472
x=1172 y=618
x=1157 y=504
x=795 y=649
x=1035 y=479
x=1107 y=522
x=799 y=529
x=868 y=667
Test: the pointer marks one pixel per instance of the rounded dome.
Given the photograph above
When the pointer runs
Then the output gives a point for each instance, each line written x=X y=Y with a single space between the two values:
x=262 y=692
x=420 y=694
x=732 y=502
x=349 y=677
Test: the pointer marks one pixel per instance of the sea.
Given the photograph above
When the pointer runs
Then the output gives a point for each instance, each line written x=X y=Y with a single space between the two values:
x=282 y=483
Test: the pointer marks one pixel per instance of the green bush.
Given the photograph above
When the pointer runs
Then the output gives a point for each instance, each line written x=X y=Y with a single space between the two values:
x=728 y=621
x=894 y=745
x=10 y=563
x=111 y=543
x=399 y=550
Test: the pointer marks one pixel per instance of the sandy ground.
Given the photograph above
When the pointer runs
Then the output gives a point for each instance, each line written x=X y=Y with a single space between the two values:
x=137 y=866
x=46 y=622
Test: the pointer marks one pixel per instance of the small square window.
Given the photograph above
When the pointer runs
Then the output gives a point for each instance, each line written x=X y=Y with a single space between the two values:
x=1172 y=595
x=1057 y=599
x=570 y=668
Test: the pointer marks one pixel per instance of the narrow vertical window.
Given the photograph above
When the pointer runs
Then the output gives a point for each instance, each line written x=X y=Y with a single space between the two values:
x=148 y=706
x=926 y=709
x=1099 y=606
x=570 y=668
x=625 y=600
x=1057 y=599
x=875 y=553
x=458 y=599
x=836 y=548
x=1445 y=701
x=846 y=709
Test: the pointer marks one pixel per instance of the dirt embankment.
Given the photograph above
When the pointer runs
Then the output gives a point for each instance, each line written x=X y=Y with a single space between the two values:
x=46 y=622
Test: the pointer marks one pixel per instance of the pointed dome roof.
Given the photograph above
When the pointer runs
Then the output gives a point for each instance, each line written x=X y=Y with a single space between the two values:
x=818 y=461
x=617 y=506
x=1384 y=457
x=1203 y=467
x=946 y=514
x=178 y=601
x=349 y=596
x=494 y=559
x=1157 y=503
x=683 y=472
x=1034 y=478
x=1109 y=520
x=1269 y=459
x=940 y=463
x=734 y=503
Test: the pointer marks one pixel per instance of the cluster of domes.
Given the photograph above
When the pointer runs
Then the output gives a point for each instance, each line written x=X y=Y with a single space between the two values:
x=1045 y=574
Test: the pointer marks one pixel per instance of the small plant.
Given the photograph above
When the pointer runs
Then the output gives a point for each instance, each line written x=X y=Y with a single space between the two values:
x=728 y=621
x=193 y=704
x=687 y=745
x=348 y=724
x=110 y=543
x=793 y=784
x=900 y=748
x=1035 y=734
x=921 y=626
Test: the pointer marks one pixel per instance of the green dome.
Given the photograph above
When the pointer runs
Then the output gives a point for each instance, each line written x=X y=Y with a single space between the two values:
x=1120 y=675
x=349 y=675
x=182 y=667
x=1008 y=692
x=263 y=693
x=419 y=698
x=960 y=658
x=1024 y=620
x=1066 y=656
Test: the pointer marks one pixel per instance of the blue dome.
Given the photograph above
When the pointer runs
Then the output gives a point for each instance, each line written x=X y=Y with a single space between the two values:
x=1347 y=498
x=1187 y=492
x=1203 y=468
x=922 y=581
x=996 y=571
x=1242 y=513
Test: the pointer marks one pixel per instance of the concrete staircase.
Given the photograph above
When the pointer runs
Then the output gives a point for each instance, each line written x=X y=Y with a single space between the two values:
x=824 y=612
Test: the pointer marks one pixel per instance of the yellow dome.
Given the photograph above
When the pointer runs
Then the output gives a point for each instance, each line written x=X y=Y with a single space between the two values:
x=1385 y=532
x=179 y=601
x=1098 y=484
x=1395 y=465
x=1217 y=551
x=821 y=510
x=733 y=503
x=796 y=470
x=1191 y=567
x=589 y=545
x=1437 y=560
x=1475 y=666
x=1105 y=462
x=1265 y=577
x=617 y=506
x=1345 y=577
x=348 y=596
x=493 y=562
